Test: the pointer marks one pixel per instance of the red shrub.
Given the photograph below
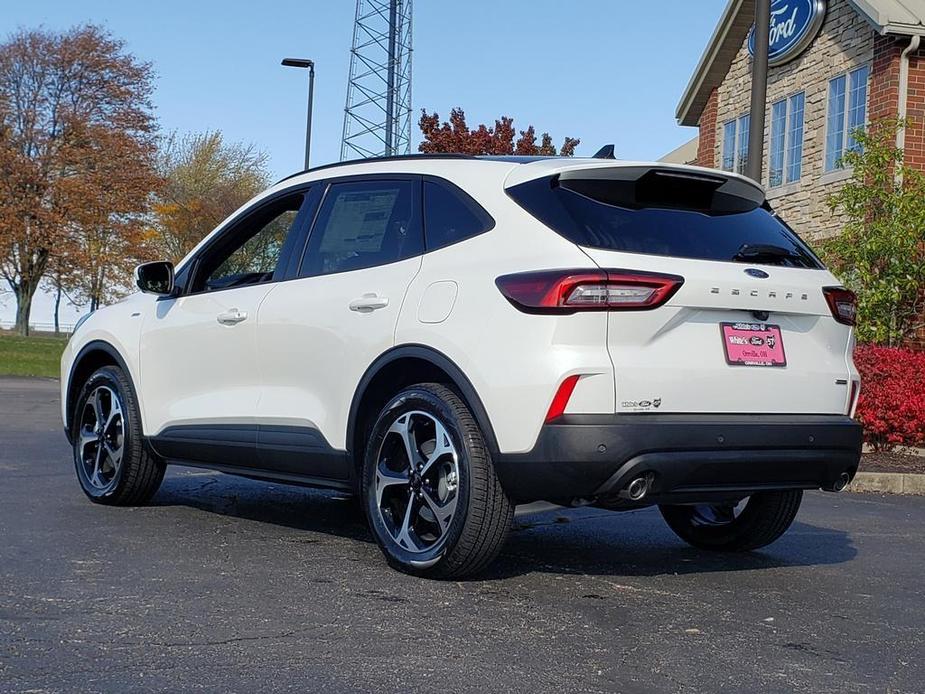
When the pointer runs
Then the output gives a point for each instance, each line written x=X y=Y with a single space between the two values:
x=892 y=402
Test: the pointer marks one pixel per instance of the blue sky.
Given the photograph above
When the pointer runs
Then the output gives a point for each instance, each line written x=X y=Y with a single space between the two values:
x=602 y=70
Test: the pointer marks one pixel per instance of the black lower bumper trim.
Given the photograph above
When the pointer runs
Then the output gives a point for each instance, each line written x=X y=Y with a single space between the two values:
x=687 y=457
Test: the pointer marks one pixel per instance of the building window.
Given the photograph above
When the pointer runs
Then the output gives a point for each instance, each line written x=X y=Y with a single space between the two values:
x=729 y=145
x=786 y=152
x=742 y=149
x=847 y=113
x=735 y=144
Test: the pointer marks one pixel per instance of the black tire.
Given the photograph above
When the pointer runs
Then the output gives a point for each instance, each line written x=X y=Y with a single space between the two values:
x=482 y=517
x=765 y=518
x=138 y=474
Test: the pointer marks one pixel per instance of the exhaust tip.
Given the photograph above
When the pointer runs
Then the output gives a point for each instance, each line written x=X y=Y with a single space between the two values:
x=637 y=489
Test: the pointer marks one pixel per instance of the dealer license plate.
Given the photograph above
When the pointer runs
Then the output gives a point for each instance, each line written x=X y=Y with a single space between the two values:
x=753 y=344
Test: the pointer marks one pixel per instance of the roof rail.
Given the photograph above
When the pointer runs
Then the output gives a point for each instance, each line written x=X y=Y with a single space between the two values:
x=373 y=160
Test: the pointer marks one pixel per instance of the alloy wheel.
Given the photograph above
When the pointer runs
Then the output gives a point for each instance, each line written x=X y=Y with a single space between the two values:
x=417 y=481
x=101 y=438
x=714 y=515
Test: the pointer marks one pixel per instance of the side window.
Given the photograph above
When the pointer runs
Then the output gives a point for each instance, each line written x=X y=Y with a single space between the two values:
x=451 y=217
x=363 y=224
x=252 y=250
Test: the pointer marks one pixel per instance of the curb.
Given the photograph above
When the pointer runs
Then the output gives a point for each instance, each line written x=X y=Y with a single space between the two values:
x=888 y=483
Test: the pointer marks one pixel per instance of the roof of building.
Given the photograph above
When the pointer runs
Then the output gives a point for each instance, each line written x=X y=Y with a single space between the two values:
x=905 y=17
x=685 y=154
x=894 y=16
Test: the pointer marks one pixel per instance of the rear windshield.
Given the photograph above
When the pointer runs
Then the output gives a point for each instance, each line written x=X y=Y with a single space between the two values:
x=670 y=222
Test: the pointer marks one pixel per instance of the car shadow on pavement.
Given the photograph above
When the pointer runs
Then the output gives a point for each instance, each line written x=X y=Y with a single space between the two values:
x=582 y=541
x=286 y=506
x=639 y=543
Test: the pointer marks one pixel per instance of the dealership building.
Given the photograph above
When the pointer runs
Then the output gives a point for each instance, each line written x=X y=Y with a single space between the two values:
x=835 y=65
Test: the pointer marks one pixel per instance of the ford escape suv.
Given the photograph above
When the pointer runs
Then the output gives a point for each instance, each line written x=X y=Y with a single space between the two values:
x=450 y=336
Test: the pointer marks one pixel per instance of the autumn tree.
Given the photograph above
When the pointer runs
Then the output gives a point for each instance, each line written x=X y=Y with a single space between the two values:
x=107 y=235
x=76 y=125
x=455 y=136
x=206 y=179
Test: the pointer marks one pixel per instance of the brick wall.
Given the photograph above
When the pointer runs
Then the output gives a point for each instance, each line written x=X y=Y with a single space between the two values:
x=884 y=103
x=884 y=92
x=915 y=134
x=706 y=145
x=883 y=99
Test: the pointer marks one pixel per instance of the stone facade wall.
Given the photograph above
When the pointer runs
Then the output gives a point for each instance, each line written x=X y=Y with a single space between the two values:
x=845 y=42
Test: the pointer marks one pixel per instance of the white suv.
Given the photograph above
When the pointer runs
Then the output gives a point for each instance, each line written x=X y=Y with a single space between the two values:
x=449 y=336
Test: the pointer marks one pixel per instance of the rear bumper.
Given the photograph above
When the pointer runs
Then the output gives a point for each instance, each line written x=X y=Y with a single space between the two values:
x=688 y=457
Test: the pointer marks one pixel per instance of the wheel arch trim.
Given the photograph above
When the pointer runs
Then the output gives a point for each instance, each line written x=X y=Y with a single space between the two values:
x=457 y=377
x=71 y=393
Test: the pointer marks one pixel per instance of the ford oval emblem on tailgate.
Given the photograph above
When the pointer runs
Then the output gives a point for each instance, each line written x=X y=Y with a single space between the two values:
x=754 y=272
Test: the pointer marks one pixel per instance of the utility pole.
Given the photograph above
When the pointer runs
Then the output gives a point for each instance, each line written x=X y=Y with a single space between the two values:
x=759 y=89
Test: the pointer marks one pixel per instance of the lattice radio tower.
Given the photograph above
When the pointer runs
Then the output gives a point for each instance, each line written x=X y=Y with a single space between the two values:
x=377 y=117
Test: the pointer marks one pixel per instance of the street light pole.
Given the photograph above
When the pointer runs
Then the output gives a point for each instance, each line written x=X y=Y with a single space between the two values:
x=759 y=89
x=305 y=63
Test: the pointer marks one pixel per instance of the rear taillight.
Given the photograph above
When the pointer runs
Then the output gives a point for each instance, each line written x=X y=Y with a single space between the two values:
x=843 y=303
x=567 y=291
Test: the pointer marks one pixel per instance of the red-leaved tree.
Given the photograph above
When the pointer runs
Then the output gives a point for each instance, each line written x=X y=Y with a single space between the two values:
x=454 y=136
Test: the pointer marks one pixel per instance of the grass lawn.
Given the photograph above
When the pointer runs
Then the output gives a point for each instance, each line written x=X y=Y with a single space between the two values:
x=31 y=356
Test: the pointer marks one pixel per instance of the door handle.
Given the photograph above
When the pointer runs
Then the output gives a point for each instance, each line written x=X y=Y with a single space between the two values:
x=368 y=302
x=231 y=317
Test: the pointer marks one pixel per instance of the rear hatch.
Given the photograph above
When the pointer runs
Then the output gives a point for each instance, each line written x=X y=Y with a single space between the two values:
x=750 y=329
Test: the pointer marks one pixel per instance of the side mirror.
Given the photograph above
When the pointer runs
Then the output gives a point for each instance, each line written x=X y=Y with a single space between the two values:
x=155 y=278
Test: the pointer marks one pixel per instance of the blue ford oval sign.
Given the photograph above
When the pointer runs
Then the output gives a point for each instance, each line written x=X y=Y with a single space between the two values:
x=755 y=272
x=794 y=24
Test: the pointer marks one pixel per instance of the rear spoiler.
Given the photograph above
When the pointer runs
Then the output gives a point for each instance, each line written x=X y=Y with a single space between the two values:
x=635 y=185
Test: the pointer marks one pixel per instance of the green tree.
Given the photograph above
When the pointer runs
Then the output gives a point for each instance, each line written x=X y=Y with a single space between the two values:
x=880 y=251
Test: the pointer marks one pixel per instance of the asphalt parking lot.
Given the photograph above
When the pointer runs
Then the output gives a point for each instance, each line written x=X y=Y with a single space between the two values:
x=224 y=584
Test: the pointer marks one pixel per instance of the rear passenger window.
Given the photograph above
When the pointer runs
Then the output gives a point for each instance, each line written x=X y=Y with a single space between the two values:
x=363 y=224
x=451 y=216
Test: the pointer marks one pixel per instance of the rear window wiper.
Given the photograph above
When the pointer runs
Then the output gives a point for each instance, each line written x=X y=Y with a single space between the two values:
x=756 y=252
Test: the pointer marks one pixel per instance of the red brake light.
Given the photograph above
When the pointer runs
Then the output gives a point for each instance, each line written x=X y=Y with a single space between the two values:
x=560 y=401
x=853 y=397
x=843 y=303
x=567 y=291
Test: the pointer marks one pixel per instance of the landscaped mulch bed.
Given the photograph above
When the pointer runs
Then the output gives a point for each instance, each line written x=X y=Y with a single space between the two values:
x=892 y=462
